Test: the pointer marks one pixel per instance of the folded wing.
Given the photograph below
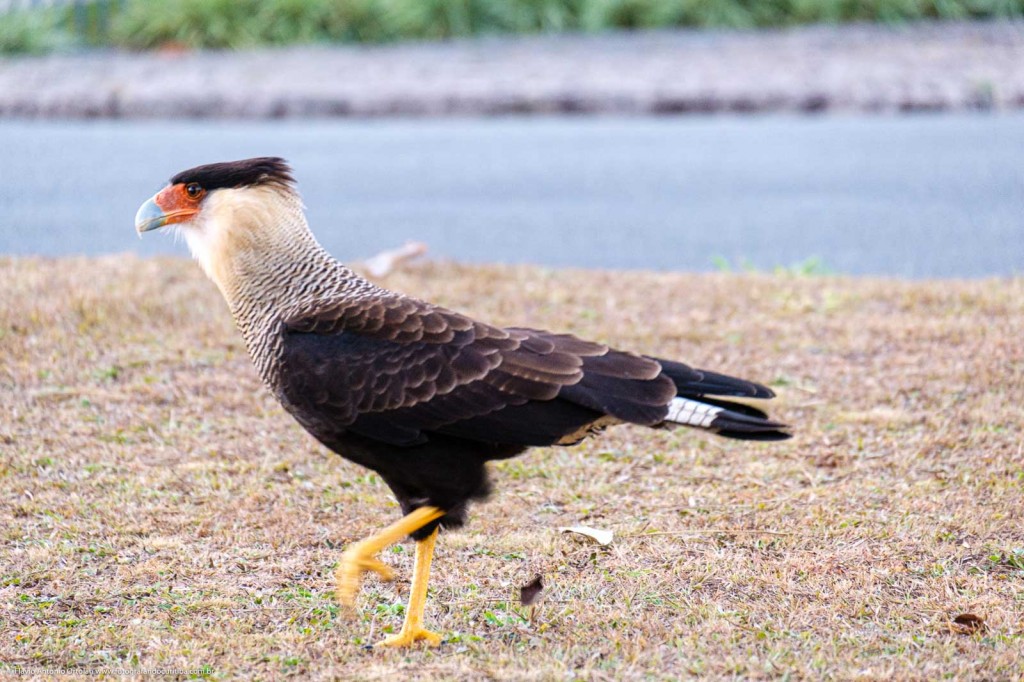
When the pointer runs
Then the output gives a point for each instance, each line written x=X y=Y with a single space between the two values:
x=397 y=369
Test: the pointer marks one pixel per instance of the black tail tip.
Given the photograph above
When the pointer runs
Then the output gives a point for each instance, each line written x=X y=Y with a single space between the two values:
x=755 y=435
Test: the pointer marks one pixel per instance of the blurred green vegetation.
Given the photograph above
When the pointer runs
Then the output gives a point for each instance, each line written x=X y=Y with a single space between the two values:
x=251 y=23
x=28 y=32
x=79 y=23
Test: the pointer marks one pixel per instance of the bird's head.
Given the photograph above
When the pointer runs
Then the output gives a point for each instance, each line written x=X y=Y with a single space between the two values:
x=236 y=215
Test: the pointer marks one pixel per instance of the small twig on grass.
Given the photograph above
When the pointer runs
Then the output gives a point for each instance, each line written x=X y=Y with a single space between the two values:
x=386 y=262
x=741 y=626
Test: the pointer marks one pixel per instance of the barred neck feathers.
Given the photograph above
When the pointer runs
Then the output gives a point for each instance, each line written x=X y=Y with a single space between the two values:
x=254 y=243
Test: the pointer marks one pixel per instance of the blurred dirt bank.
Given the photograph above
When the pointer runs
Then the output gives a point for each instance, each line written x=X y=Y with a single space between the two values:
x=865 y=68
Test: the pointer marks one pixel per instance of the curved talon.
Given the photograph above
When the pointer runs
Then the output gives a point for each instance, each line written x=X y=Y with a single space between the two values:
x=409 y=636
x=358 y=559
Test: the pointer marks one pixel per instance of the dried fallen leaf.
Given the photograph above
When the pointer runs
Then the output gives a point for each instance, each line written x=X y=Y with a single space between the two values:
x=601 y=537
x=529 y=593
x=967 y=624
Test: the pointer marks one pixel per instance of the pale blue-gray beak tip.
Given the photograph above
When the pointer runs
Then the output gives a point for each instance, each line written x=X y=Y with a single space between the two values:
x=149 y=217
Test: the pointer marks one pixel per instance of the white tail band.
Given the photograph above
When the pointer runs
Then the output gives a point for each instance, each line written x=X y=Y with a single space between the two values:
x=691 y=412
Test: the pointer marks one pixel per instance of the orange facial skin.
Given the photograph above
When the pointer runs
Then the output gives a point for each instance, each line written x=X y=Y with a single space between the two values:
x=177 y=205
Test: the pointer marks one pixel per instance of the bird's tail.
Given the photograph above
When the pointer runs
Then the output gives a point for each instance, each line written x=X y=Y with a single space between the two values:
x=699 y=404
x=729 y=419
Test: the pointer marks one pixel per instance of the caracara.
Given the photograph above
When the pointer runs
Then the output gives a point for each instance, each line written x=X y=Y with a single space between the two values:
x=422 y=395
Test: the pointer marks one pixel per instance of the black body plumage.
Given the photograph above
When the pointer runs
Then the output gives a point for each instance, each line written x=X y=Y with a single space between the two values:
x=420 y=394
x=425 y=396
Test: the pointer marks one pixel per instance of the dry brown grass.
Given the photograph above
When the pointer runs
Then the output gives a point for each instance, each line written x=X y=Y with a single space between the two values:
x=161 y=510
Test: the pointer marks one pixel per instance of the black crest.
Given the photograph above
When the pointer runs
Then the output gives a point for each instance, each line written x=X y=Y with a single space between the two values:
x=259 y=171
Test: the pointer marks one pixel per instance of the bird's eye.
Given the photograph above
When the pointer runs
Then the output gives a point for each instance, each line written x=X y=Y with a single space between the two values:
x=193 y=190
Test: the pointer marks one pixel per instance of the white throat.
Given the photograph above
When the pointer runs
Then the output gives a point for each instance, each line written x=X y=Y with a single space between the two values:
x=243 y=237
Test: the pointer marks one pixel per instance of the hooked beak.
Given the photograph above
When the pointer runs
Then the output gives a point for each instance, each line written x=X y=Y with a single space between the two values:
x=149 y=217
x=170 y=205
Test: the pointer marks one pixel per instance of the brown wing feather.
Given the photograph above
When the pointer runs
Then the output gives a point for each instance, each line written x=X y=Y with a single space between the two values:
x=395 y=369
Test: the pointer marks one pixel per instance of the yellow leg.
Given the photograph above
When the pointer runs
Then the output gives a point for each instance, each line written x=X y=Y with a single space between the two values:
x=412 y=630
x=362 y=557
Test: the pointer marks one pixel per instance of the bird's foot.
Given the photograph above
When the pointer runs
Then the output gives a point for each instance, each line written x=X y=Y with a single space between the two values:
x=408 y=636
x=358 y=559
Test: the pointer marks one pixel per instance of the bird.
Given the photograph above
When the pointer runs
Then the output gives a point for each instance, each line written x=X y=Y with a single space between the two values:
x=422 y=395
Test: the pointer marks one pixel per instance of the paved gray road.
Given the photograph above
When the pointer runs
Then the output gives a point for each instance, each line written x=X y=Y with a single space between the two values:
x=919 y=196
